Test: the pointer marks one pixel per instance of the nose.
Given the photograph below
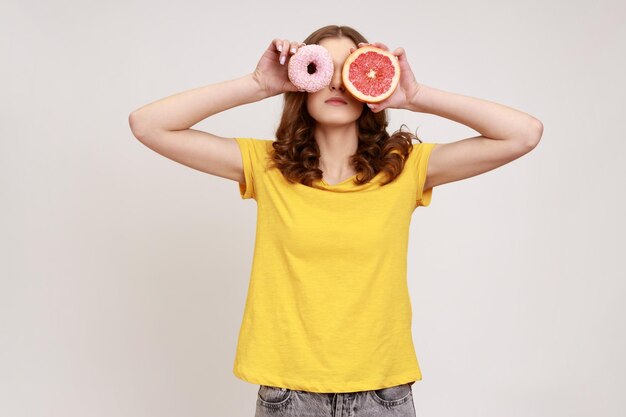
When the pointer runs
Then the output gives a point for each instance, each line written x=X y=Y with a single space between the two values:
x=336 y=81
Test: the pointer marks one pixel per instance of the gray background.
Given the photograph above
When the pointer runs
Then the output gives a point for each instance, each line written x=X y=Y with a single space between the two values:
x=124 y=274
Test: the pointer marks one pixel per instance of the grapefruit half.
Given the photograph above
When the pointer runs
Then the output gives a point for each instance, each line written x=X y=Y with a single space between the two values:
x=371 y=74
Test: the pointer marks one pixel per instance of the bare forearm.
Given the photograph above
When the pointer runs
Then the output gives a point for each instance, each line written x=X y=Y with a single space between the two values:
x=492 y=120
x=183 y=110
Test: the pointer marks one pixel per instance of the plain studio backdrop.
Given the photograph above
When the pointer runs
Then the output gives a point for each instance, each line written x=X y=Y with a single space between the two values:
x=124 y=274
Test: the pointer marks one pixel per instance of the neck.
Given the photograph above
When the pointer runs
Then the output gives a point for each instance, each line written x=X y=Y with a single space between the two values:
x=337 y=144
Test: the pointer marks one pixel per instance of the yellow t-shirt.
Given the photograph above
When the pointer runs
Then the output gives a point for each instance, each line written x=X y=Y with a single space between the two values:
x=328 y=307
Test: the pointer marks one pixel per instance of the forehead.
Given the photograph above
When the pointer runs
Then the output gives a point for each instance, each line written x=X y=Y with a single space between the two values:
x=339 y=48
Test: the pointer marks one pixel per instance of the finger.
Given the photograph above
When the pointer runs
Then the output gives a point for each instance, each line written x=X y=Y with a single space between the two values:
x=278 y=45
x=378 y=107
x=398 y=52
x=286 y=48
x=381 y=45
x=294 y=47
x=283 y=48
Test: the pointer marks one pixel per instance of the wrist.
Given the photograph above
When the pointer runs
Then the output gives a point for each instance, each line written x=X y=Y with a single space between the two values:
x=259 y=91
x=417 y=99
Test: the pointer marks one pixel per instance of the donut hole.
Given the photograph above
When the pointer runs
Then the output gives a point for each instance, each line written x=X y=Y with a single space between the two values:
x=311 y=68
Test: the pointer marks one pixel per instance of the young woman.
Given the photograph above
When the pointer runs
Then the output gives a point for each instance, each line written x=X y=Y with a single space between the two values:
x=326 y=329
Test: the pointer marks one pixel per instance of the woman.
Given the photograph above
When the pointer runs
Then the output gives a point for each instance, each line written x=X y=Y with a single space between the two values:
x=327 y=323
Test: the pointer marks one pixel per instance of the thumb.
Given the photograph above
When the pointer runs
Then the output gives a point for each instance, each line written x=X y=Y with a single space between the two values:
x=376 y=107
x=400 y=53
x=292 y=88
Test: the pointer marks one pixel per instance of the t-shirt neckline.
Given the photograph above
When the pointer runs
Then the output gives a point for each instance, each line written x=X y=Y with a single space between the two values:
x=339 y=183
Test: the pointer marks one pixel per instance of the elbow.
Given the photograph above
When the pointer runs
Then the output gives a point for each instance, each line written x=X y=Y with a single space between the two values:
x=132 y=122
x=136 y=125
x=534 y=133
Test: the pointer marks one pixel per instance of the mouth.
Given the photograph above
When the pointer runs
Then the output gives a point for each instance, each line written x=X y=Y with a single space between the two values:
x=335 y=102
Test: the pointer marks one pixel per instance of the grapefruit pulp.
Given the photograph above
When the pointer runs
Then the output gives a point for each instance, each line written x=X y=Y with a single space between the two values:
x=371 y=74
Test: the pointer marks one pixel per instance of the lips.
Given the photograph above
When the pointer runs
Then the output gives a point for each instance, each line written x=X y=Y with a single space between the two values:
x=336 y=100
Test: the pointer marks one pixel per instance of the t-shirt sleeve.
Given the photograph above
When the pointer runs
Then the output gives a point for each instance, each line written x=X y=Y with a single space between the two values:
x=246 y=147
x=422 y=154
x=253 y=153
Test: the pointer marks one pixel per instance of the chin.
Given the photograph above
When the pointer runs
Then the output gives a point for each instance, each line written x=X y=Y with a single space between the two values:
x=346 y=112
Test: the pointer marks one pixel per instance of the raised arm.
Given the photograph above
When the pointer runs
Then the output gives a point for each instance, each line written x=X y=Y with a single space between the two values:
x=505 y=133
x=165 y=125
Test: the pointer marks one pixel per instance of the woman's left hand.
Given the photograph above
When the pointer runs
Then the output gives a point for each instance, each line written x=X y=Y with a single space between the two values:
x=407 y=86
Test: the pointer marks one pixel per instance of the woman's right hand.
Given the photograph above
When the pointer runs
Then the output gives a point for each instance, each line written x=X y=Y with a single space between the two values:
x=270 y=74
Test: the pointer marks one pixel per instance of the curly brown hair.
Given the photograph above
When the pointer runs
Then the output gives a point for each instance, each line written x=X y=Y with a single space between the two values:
x=296 y=153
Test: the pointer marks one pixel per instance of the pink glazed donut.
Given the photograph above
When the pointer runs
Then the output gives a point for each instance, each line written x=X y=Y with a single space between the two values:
x=311 y=68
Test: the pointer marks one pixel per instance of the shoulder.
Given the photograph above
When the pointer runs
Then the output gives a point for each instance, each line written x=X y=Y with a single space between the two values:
x=422 y=147
x=254 y=142
x=420 y=151
x=255 y=152
x=257 y=147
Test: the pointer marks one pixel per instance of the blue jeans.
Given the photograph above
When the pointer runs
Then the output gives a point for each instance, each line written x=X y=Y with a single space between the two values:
x=284 y=402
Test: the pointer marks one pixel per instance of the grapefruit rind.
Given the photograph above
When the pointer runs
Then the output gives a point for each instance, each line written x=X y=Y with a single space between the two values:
x=366 y=64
